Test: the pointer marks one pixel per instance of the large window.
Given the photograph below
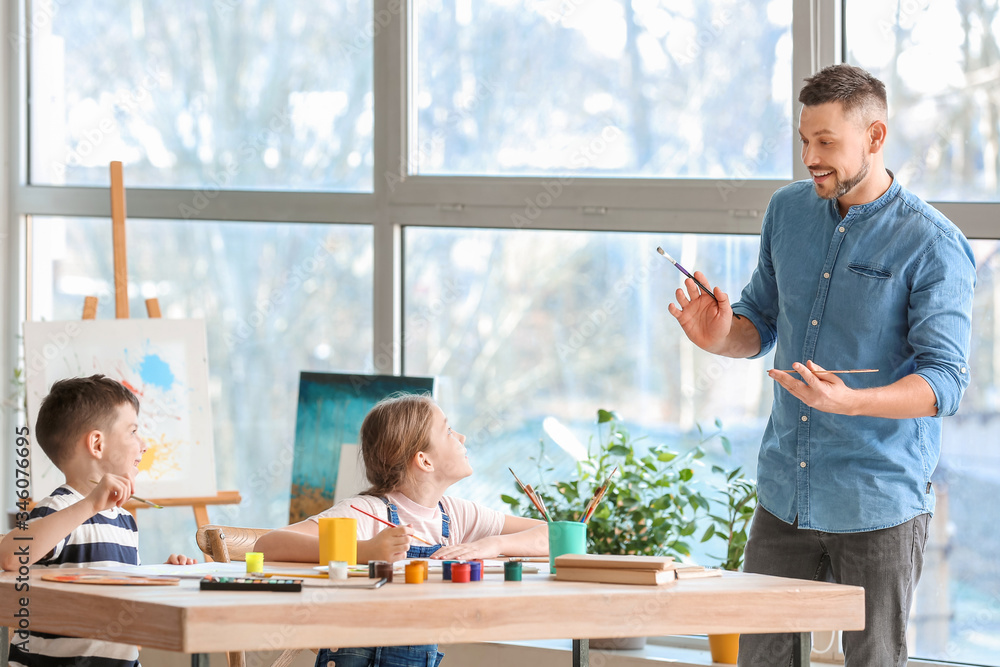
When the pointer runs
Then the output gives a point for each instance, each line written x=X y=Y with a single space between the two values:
x=524 y=326
x=277 y=299
x=256 y=94
x=939 y=62
x=603 y=87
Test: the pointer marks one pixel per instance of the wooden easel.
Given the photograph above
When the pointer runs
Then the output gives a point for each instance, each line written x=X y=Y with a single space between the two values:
x=199 y=505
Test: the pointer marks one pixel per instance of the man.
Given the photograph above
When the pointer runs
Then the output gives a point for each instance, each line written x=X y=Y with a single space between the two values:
x=854 y=272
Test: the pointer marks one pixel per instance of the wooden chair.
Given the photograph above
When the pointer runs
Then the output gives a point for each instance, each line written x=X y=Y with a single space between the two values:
x=225 y=544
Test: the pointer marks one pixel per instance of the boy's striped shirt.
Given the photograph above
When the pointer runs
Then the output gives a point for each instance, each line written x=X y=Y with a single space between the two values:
x=107 y=538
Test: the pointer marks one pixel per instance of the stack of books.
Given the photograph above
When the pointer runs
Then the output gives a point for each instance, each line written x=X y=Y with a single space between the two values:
x=643 y=570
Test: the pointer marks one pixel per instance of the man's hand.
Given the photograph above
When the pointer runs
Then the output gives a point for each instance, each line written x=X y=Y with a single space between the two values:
x=705 y=321
x=826 y=392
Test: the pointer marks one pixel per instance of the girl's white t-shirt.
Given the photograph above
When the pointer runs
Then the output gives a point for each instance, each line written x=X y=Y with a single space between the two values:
x=469 y=521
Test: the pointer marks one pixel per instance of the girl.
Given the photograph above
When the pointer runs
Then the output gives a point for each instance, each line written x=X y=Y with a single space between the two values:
x=411 y=457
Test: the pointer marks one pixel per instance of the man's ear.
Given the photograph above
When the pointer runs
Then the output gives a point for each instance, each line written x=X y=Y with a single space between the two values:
x=877 y=132
x=95 y=443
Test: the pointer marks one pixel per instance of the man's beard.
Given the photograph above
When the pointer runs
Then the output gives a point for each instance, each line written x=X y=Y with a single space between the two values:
x=843 y=187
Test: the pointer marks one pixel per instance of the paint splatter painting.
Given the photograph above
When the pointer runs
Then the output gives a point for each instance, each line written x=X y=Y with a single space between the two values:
x=164 y=363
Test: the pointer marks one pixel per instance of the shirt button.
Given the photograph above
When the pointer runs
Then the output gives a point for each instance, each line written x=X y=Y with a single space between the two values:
x=963 y=370
x=826 y=275
x=804 y=418
x=802 y=465
x=815 y=322
x=842 y=230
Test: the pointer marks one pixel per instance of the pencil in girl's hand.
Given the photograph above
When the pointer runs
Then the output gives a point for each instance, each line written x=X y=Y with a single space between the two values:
x=388 y=523
x=141 y=500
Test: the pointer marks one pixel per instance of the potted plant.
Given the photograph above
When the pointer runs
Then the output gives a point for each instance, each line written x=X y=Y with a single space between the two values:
x=729 y=518
x=651 y=506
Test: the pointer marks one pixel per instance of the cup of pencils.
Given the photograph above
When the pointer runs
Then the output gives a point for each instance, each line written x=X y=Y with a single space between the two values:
x=566 y=537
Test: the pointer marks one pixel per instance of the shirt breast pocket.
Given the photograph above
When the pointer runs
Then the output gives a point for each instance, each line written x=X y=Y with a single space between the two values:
x=871 y=287
x=874 y=271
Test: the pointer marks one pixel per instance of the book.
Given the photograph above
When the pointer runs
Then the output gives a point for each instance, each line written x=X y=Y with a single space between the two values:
x=614 y=575
x=613 y=562
x=686 y=571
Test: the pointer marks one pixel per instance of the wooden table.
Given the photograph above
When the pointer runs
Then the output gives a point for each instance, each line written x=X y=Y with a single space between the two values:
x=182 y=618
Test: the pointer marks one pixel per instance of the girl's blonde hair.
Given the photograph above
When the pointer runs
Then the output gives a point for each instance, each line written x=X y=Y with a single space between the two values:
x=391 y=435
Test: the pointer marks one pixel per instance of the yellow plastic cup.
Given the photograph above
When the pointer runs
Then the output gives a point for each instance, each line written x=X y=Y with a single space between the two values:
x=338 y=540
x=255 y=562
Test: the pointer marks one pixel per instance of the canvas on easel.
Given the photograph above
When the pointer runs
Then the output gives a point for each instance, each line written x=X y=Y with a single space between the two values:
x=164 y=363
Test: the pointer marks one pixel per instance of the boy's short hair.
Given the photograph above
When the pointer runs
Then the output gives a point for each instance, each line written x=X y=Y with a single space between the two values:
x=76 y=406
x=857 y=90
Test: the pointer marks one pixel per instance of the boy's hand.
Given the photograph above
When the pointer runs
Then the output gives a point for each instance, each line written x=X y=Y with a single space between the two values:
x=391 y=544
x=181 y=559
x=111 y=491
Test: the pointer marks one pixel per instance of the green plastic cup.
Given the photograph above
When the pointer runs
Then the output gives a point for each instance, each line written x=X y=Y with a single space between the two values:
x=566 y=537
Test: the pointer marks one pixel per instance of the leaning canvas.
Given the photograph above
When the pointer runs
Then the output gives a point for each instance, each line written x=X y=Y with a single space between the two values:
x=164 y=363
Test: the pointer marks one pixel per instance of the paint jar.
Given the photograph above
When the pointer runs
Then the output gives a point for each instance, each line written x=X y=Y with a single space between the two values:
x=255 y=562
x=373 y=567
x=476 y=571
x=414 y=573
x=338 y=540
x=337 y=570
x=461 y=572
x=446 y=569
x=512 y=570
x=566 y=537
x=383 y=570
x=423 y=567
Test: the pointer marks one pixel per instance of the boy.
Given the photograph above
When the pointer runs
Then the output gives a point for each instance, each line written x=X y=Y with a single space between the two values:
x=88 y=428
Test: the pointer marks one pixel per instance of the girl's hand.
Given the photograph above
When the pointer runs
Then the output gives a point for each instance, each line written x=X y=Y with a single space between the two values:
x=488 y=547
x=180 y=559
x=111 y=491
x=391 y=544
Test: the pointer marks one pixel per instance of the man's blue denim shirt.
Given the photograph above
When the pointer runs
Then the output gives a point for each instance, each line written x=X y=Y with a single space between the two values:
x=890 y=287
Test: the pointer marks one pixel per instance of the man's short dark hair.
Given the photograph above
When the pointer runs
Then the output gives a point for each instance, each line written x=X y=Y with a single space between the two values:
x=76 y=406
x=858 y=91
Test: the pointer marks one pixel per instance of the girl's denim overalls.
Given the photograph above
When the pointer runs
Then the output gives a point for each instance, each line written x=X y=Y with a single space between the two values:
x=424 y=655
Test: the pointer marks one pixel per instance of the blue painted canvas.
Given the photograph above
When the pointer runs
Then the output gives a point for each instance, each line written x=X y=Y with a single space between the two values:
x=331 y=408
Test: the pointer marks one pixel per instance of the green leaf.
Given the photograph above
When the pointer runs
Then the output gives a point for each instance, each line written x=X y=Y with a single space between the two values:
x=709 y=533
x=605 y=416
x=510 y=500
x=726 y=445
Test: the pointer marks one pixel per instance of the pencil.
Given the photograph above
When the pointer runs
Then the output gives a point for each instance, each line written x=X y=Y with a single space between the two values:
x=389 y=523
x=141 y=500
x=857 y=370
